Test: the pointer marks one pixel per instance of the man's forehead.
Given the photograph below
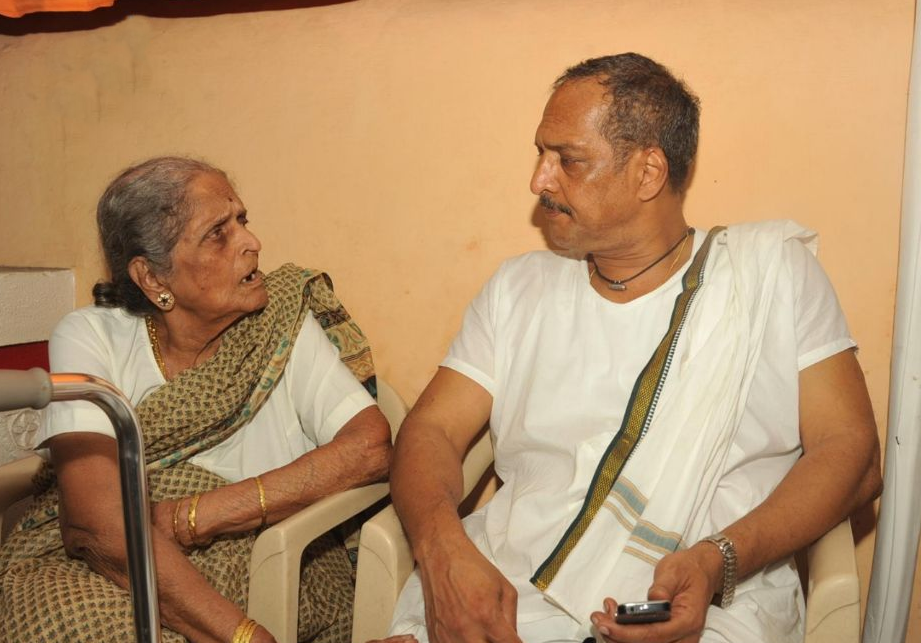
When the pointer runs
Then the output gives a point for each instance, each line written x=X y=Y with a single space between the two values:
x=573 y=113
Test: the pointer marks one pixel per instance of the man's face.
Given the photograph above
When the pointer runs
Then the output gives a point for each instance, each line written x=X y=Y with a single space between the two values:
x=583 y=188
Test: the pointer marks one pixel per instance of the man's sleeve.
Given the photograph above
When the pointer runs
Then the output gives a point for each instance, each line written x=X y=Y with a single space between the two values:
x=821 y=329
x=473 y=351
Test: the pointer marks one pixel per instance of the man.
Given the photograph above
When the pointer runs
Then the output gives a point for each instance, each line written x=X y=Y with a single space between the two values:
x=674 y=413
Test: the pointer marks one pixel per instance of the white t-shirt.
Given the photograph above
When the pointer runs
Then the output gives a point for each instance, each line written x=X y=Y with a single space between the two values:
x=314 y=398
x=560 y=362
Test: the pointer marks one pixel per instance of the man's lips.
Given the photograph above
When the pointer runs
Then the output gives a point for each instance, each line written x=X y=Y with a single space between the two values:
x=251 y=277
x=550 y=204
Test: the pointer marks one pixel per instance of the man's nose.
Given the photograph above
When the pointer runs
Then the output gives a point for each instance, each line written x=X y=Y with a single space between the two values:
x=542 y=180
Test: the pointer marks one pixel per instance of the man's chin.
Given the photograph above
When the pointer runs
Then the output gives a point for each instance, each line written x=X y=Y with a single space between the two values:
x=563 y=243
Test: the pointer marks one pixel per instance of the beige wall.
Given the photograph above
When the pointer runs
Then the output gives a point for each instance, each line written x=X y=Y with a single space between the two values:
x=389 y=141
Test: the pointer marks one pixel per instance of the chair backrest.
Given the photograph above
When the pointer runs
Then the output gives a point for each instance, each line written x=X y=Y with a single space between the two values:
x=391 y=404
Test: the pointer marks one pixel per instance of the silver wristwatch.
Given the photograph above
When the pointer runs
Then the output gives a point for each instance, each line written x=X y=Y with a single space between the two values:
x=730 y=566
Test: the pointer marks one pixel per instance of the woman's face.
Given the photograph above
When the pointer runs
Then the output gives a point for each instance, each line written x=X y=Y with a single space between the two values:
x=215 y=276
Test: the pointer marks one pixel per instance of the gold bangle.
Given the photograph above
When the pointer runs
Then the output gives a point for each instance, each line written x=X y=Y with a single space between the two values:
x=193 y=506
x=248 y=635
x=262 y=505
x=176 y=521
x=244 y=631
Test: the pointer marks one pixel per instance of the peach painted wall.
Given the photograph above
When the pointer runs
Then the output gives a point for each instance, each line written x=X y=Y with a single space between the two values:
x=389 y=141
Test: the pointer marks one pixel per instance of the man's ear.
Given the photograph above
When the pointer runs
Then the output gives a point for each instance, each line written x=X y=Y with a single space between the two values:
x=141 y=274
x=654 y=173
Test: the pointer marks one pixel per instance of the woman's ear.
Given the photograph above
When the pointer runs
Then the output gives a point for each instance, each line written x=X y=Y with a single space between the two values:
x=141 y=274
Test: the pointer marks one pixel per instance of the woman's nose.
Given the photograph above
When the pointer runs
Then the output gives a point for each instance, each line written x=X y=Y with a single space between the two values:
x=251 y=242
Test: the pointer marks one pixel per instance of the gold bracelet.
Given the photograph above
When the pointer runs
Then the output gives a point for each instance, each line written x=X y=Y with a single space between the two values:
x=262 y=505
x=193 y=506
x=248 y=635
x=244 y=631
x=176 y=522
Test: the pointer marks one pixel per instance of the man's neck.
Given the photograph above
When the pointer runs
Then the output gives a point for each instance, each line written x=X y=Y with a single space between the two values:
x=642 y=258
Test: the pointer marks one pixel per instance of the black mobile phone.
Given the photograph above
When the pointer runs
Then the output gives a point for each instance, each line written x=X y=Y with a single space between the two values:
x=644 y=612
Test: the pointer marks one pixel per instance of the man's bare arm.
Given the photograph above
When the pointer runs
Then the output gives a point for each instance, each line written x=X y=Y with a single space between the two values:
x=838 y=473
x=466 y=598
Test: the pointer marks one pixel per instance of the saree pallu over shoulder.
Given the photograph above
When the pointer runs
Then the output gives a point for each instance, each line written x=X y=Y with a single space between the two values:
x=652 y=489
x=193 y=412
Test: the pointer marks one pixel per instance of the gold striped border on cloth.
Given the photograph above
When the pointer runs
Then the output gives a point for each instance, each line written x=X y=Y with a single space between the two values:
x=639 y=413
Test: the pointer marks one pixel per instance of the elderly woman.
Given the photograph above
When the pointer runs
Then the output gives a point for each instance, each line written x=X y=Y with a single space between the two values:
x=248 y=414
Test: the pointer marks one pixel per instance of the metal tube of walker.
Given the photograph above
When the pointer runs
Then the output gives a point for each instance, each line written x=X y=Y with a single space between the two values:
x=36 y=388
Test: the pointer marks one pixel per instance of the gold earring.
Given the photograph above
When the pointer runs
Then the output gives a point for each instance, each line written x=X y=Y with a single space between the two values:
x=166 y=300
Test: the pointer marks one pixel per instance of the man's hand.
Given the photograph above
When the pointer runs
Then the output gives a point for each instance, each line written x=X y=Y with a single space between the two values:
x=688 y=579
x=467 y=600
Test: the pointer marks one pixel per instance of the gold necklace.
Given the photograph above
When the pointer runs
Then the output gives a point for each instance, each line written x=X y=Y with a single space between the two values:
x=155 y=345
x=678 y=254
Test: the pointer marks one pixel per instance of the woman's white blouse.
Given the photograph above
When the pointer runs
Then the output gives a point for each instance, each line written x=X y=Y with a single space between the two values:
x=315 y=397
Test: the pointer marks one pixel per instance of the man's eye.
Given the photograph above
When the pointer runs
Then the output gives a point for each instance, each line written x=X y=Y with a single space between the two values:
x=243 y=219
x=216 y=233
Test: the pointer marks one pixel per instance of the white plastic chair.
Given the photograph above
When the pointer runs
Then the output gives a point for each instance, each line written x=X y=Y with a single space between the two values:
x=275 y=565
x=385 y=562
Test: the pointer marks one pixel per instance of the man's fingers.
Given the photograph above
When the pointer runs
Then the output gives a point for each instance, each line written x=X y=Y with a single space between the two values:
x=610 y=607
x=509 y=605
x=659 y=592
x=503 y=633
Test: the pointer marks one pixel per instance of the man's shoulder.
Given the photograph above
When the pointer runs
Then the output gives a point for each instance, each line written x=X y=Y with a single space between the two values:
x=771 y=231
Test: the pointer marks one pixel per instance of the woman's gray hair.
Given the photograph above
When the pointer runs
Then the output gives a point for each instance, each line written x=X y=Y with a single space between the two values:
x=142 y=214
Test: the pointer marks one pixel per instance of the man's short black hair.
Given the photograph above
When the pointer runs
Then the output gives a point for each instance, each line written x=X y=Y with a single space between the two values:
x=648 y=106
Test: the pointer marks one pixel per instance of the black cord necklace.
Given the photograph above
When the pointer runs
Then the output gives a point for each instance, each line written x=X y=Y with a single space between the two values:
x=621 y=284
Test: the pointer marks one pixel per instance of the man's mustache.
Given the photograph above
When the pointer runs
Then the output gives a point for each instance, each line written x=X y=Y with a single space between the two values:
x=550 y=204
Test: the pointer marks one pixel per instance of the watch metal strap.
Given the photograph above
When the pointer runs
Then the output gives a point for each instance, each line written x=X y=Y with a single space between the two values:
x=730 y=566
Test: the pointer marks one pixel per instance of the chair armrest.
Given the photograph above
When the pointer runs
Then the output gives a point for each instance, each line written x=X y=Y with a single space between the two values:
x=384 y=563
x=833 y=600
x=276 y=559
